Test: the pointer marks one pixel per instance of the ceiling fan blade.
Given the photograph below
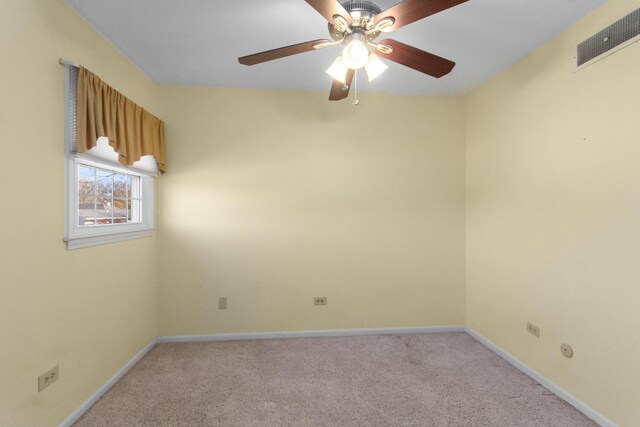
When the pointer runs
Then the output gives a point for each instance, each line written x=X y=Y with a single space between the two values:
x=409 y=11
x=417 y=59
x=330 y=8
x=337 y=93
x=281 y=52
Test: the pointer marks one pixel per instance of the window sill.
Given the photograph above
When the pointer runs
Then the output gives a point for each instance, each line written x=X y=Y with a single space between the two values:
x=103 y=239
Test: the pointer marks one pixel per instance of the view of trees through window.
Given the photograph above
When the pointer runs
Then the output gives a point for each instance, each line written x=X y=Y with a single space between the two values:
x=107 y=197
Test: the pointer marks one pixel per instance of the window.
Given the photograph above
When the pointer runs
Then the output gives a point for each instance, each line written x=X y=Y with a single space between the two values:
x=107 y=197
x=106 y=201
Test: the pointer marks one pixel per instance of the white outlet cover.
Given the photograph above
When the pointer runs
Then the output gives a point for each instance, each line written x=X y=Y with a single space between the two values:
x=48 y=378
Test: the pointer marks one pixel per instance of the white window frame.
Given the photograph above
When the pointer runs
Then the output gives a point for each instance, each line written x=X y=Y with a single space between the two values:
x=77 y=236
x=80 y=237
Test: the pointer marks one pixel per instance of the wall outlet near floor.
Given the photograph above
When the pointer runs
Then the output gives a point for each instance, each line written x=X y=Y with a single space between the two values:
x=47 y=378
x=222 y=303
x=319 y=300
x=533 y=329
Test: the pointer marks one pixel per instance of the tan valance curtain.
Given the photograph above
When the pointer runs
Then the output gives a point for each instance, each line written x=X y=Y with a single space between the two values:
x=102 y=111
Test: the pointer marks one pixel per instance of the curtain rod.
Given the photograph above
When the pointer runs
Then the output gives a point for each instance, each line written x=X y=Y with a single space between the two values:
x=65 y=62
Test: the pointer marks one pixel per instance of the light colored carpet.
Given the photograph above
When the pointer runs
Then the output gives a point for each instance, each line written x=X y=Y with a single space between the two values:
x=384 y=380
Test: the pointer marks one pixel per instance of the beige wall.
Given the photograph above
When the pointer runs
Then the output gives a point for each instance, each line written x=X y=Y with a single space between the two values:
x=88 y=310
x=553 y=216
x=276 y=197
x=272 y=198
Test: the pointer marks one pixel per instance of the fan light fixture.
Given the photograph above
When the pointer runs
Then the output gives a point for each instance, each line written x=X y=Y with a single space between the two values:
x=356 y=53
x=338 y=70
x=374 y=67
x=355 y=56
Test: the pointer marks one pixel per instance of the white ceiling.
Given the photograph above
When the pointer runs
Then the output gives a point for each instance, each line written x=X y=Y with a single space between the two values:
x=197 y=42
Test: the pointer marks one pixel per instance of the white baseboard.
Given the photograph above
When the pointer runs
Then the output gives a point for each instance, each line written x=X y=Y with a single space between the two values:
x=75 y=415
x=545 y=382
x=305 y=334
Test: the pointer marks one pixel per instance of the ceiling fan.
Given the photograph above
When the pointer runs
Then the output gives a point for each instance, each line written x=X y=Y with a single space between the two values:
x=356 y=24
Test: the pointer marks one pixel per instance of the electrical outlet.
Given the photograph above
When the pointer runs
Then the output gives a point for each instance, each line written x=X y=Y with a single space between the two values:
x=533 y=329
x=47 y=378
x=320 y=301
x=222 y=303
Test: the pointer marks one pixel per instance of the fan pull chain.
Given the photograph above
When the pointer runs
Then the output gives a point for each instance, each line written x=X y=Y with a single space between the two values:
x=355 y=88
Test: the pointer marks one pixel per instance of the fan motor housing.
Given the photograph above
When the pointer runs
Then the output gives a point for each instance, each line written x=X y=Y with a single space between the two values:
x=362 y=14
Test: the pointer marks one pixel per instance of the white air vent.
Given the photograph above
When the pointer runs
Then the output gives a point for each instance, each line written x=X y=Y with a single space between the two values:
x=616 y=34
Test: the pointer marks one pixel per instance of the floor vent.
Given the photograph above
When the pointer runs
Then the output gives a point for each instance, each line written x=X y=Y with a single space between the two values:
x=614 y=35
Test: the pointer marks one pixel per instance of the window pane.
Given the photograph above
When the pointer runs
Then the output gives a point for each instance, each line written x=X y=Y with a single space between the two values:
x=105 y=184
x=103 y=213
x=120 y=186
x=119 y=210
x=86 y=213
x=104 y=194
x=86 y=179
x=86 y=199
x=135 y=210
x=135 y=187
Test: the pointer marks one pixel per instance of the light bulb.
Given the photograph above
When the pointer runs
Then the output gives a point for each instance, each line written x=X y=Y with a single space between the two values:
x=338 y=70
x=356 y=53
x=374 y=66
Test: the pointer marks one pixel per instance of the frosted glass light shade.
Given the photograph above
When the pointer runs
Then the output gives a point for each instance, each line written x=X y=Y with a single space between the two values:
x=338 y=70
x=374 y=66
x=355 y=55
